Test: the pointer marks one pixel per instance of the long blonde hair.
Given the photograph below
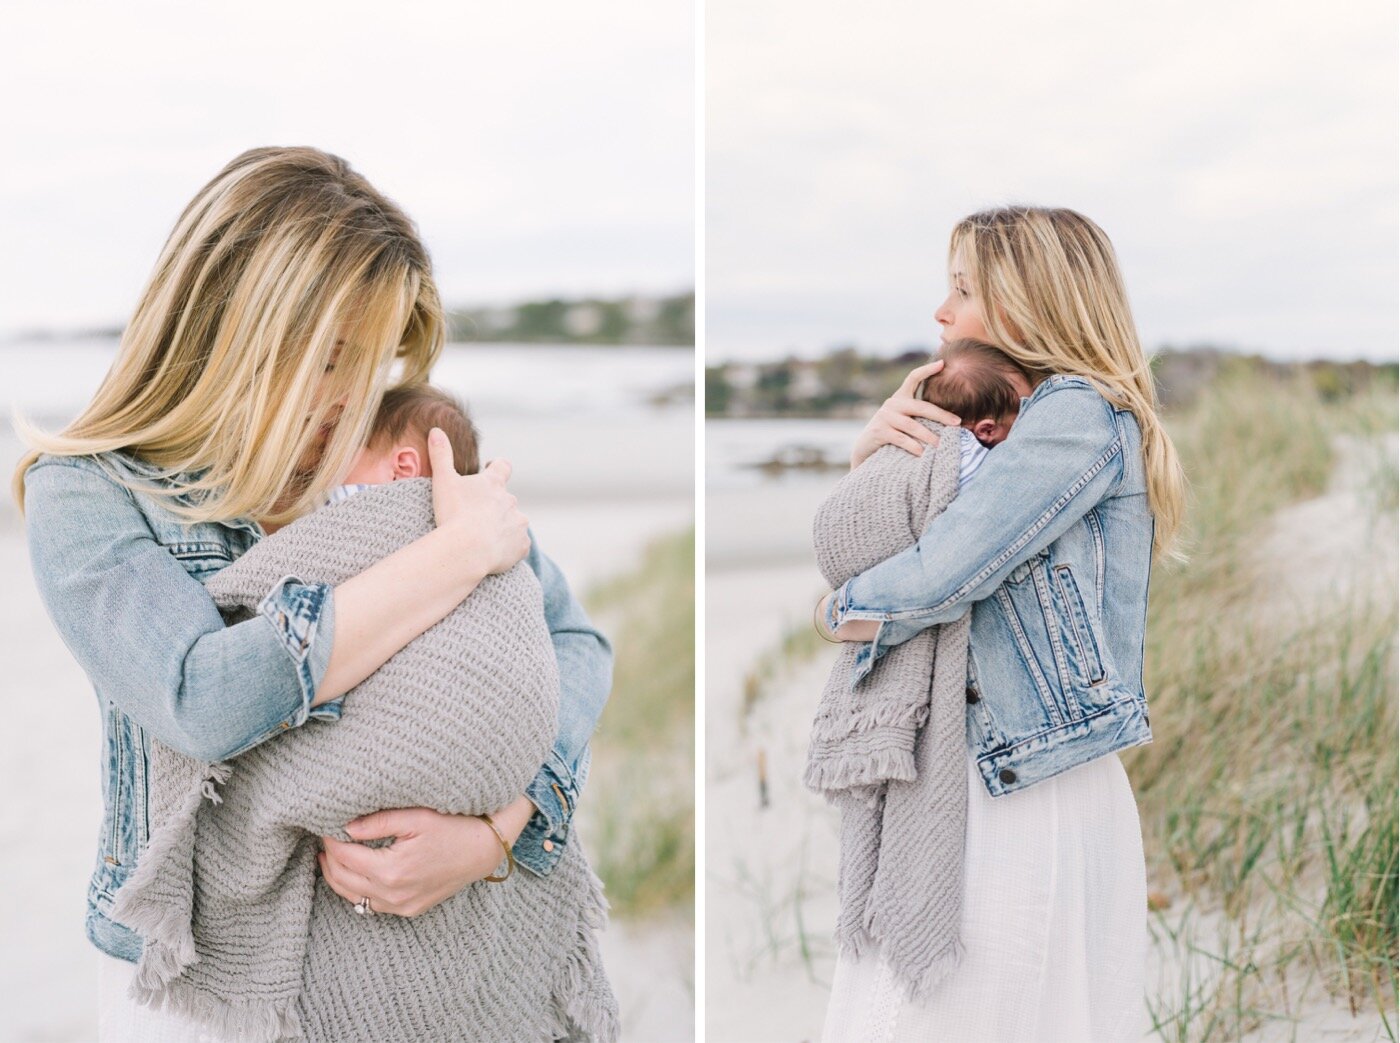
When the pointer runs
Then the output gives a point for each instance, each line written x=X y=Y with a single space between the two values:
x=1053 y=299
x=225 y=369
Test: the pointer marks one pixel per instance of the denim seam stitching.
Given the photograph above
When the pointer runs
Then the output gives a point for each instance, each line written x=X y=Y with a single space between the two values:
x=1087 y=719
x=1057 y=649
x=1042 y=686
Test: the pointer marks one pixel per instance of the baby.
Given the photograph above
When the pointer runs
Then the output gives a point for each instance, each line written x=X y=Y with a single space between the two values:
x=982 y=385
x=398 y=440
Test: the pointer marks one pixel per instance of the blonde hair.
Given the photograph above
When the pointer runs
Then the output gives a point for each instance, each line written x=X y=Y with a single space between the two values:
x=1054 y=300
x=227 y=368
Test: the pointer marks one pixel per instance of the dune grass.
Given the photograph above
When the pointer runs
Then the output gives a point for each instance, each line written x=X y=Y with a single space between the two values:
x=1269 y=793
x=638 y=813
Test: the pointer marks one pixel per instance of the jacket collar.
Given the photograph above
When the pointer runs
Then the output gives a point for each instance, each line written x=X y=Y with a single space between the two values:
x=152 y=474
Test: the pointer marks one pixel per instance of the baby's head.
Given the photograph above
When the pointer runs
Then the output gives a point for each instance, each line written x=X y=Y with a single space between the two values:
x=398 y=442
x=982 y=385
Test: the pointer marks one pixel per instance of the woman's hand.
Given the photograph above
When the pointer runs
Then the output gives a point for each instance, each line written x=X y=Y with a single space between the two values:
x=861 y=630
x=433 y=856
x=479 y=507
x=894 y=423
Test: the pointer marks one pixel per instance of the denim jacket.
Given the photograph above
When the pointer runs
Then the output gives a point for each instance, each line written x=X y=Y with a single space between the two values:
x=1049 y=548
x=121 y=578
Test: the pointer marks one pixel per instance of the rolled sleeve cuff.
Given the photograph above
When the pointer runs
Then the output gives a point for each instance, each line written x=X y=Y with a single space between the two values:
x=554 y=792
x=303 y=617
x=890 y=632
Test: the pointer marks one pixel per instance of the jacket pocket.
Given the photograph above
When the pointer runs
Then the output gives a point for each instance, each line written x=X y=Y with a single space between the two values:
x=1079 y=629
x=118 y=787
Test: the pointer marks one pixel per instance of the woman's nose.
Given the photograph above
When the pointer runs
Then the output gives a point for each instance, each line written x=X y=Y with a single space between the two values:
x=943 y=316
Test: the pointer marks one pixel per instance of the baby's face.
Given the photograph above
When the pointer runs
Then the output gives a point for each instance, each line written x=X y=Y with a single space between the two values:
x=379 y=466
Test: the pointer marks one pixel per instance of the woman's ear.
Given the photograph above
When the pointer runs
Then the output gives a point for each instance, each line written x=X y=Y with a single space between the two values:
x=408 y=463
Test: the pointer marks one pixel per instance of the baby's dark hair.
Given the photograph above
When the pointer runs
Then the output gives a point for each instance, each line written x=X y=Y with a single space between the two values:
x=974 y=382
x=419 y=408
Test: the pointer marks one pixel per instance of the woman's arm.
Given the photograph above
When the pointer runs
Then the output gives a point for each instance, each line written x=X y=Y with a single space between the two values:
x=1063 y=457
x=478 y=531
x=150 y=638
x=585 y=680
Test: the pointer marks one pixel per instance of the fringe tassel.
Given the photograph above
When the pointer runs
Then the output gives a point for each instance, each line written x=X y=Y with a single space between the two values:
x=260 y=1022
x=585 y=1006
x=831 y=776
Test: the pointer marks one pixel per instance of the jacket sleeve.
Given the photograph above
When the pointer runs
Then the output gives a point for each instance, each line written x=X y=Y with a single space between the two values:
x=150 y=637
x=1062 y=458
x=585 y=677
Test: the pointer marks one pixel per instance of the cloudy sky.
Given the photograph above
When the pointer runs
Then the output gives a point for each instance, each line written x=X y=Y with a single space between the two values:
x=1241 y=155
x=543 y=147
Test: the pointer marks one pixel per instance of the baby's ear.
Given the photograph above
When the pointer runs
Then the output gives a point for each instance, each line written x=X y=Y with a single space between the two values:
x=409 y=463
x=985 y=429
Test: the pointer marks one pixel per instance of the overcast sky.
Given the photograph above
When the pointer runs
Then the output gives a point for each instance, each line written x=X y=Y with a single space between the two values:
x=542 y=147
x=1242 y=156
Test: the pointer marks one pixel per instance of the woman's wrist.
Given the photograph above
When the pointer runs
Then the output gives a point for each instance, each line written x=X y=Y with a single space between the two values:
x=464 y=565
x=512 y=819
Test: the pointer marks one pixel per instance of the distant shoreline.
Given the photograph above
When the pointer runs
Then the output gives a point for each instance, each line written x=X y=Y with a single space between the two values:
x=849 y=383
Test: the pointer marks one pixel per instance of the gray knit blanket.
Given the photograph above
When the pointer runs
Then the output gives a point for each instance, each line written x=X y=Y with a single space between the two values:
x=891 y=751
x=239 y=930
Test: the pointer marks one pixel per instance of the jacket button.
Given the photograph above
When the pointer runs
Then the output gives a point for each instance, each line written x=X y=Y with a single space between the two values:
x=548 y=845
x=1007 y=775
x=972 y=695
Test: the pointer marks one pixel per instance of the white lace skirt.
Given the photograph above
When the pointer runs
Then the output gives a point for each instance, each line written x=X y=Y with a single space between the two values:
x=1054 y=924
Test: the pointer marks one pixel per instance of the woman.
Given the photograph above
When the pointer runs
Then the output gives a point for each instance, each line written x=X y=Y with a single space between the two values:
x=244 y=385
x=1049 y=546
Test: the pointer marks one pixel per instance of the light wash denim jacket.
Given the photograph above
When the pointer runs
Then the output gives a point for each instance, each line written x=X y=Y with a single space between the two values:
x=120 y=576
x=1049 y=547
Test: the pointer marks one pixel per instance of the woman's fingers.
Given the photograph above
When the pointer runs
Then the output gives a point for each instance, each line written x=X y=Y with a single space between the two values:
x=913 y=428
x=440 y=454
x=918 y=375
x=343 y=881
x=397 y=822
x=918 y=407
x=363 y=862
x=499 y=469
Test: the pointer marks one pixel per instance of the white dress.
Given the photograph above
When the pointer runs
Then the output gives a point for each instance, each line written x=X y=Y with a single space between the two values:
x=1054 y=924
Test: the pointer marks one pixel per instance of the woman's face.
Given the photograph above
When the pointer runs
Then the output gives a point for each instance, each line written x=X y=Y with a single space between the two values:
x=960 y=314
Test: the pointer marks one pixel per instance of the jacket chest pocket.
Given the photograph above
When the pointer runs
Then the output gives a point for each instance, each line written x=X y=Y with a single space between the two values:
x=1080 y=642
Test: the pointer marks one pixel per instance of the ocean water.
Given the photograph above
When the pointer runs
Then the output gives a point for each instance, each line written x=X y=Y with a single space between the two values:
x=761 y=516
x=576 y=422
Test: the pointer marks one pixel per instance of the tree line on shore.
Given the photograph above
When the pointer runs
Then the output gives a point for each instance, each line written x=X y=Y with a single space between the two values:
x=846 y=382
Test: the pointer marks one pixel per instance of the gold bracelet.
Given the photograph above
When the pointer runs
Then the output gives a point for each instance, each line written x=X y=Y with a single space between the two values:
x=821 y=633
x=510 y=855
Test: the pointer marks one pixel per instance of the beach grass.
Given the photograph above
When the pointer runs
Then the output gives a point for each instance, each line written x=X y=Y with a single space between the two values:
x=638 y=808
x=1269 y=793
